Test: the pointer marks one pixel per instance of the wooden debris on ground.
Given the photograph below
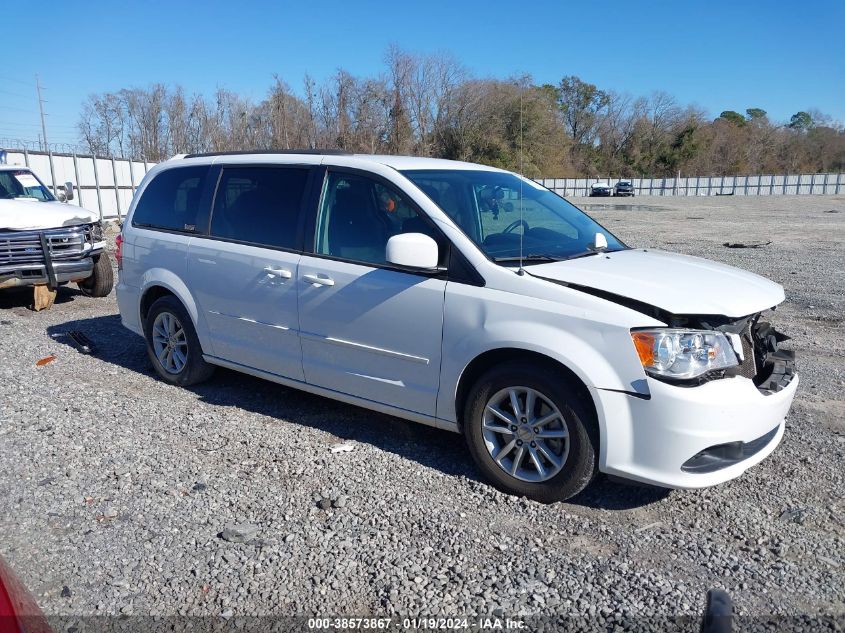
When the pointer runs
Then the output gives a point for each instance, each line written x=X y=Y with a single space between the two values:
x=43 y=298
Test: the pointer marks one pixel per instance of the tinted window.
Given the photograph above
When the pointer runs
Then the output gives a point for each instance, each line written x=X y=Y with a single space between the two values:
x=259 y=205
x=172 y=199
x=358 y=215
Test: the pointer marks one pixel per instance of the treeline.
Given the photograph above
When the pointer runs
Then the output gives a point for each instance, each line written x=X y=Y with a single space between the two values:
x=430 y=105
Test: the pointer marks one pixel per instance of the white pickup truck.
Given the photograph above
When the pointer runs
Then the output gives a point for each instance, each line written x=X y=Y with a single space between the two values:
x=46 y=242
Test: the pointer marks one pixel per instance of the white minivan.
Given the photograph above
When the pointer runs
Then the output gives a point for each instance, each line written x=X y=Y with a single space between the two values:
x=460 y=296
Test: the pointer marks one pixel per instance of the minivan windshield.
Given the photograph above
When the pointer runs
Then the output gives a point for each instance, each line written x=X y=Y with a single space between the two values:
x=502 y=213
x=22 y=184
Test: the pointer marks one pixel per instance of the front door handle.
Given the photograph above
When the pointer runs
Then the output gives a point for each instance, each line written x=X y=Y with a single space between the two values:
x=278 y=272
x=318 y=280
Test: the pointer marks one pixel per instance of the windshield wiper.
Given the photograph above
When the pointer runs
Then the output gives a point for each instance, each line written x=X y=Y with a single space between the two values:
x=584 y=254
x=527 y=258
x=592 y=252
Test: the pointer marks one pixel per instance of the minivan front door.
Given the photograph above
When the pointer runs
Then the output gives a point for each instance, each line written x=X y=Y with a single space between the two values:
x=368 y=330
x=244 y=274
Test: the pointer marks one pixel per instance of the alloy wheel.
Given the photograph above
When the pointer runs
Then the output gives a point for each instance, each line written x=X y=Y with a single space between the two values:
x=525 y=434
x=170 y=344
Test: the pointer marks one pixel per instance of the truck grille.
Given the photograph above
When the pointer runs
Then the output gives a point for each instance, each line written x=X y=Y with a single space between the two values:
x=24 y=247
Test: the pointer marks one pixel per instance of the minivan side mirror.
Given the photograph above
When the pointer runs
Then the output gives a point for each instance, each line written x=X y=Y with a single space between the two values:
x=412 y=250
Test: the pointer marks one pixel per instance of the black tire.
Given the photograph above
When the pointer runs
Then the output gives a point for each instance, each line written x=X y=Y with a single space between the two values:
x=101 y=281
x=581 y=464
x=195 y=369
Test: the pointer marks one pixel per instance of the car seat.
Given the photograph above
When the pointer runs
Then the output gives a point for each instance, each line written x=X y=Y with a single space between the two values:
x=251 y=212
x=355 y=230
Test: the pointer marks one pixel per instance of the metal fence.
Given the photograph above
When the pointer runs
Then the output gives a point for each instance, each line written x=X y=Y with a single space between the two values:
x=101 y=184
x=767 y=185
x=106 y=184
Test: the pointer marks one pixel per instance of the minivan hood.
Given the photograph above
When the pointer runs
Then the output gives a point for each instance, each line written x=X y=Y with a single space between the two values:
x=679 y=284
x=26 y=215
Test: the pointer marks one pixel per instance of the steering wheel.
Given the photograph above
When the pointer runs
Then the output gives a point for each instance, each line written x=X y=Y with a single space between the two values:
x=515 y=224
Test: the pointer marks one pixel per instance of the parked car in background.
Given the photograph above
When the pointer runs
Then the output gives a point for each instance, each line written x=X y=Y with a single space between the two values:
x=624 y=188
x=601 y=189
x=393 y=283
x=46 y=242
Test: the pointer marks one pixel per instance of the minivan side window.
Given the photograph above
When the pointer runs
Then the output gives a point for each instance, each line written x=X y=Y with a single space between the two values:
x=358 y=215
x=259 y=205
x=172 y=200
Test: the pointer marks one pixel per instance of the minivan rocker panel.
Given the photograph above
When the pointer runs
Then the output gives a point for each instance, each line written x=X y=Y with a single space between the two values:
x=576 y=360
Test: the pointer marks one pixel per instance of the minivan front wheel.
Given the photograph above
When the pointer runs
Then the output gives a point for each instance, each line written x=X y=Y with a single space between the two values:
x=172 y=344
x=530 y=434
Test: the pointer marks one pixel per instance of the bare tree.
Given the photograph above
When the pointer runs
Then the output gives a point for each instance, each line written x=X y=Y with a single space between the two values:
x=429 y=105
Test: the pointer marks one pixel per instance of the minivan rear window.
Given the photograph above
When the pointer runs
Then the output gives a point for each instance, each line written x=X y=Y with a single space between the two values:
x=259 y=205
x=172 y=200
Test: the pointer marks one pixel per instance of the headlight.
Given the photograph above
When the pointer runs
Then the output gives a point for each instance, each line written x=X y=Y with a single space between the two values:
x=680 y=354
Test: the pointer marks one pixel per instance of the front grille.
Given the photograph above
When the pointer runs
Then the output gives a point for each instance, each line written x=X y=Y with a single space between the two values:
x=24 y=247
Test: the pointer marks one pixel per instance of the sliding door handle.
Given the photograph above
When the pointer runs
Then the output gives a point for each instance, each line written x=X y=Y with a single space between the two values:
x=319 y=280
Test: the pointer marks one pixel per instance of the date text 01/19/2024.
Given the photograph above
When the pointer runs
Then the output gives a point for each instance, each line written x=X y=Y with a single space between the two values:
x=383 y=624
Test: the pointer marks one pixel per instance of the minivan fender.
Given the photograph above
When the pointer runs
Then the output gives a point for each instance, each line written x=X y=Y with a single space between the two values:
x=584 y=357
x=164 y=278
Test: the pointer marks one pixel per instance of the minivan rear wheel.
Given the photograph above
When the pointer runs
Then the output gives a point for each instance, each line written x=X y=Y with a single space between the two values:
x=172 y=344
x=530 y=433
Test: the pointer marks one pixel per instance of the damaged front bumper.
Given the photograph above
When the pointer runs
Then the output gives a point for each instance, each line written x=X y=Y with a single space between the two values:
x=49 y=257
x=652 y=440
x=703 y=434
x=774 y=367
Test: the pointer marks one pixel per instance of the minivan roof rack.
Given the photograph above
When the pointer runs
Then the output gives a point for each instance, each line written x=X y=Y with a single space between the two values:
x=271 y=151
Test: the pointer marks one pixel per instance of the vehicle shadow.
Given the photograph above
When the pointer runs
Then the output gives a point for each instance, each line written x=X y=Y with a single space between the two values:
x=22 y=297
x=428 y=446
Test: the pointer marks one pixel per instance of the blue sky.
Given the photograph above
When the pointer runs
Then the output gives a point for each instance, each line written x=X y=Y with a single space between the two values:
x=779 y=56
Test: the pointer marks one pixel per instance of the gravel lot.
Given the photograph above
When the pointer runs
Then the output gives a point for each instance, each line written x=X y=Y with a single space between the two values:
x=119 y=490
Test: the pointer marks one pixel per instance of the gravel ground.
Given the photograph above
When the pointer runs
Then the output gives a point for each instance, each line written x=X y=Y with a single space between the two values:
x=125 y=495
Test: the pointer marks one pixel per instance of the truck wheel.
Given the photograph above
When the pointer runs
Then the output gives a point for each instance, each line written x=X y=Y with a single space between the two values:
x=172 y=344
x=101 y=281
x=530 y=434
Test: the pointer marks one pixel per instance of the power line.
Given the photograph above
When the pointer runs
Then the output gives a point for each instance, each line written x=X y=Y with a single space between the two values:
x=15 y=94
x=17 y=81
x=24 y=121
x=7 y=131
x=26 y=137
x=23 y=124
x=5 y=107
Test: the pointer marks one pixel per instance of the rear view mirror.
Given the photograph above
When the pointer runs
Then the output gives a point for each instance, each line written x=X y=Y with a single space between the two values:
x=412 y=250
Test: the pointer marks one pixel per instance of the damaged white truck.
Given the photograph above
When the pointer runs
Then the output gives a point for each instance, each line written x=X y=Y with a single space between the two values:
x=46 y=243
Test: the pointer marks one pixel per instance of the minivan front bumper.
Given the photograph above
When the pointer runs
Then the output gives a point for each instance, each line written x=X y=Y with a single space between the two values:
x=690 y=437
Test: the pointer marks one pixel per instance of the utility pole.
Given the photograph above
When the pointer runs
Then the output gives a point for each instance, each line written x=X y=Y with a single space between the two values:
x=41 y=109
x=44 y=135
